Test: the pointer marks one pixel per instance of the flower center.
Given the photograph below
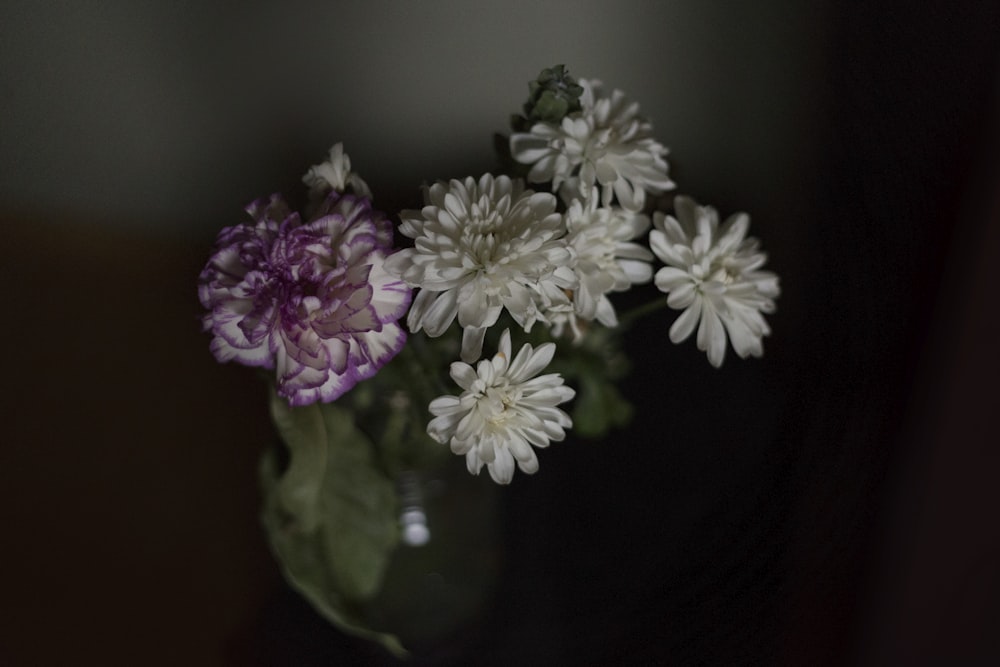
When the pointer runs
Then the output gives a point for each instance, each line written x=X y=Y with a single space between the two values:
x=495 y=403
x=484 y=239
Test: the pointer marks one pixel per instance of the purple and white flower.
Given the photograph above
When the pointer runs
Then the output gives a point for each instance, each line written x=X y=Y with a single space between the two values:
x=311 y=300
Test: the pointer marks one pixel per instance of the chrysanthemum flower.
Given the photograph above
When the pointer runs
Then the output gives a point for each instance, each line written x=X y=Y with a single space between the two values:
x=606 y=258
x=335 y=174
x=480 y=247
x=714 y=275
x=312 y=300
x=607 y=143
x=505 y=408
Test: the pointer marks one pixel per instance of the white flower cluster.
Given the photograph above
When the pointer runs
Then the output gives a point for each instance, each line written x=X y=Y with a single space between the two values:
x=485 y=246
x=482 y=247
x=317 y=294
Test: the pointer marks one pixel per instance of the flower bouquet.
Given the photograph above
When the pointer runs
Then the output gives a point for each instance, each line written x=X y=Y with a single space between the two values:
x=510 y=339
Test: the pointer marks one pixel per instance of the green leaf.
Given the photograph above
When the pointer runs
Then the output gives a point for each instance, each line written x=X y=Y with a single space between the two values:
x=599 y=406
x=334 y=535
x=594 y=366
x=303 y=431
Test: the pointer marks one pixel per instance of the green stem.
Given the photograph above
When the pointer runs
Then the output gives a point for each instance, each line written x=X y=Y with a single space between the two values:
x=423 y=364
x=629 y=318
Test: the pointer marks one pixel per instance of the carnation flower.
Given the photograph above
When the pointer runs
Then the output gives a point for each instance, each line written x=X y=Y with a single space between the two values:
x=606 y=258
x=311 y=300
x=480 y=247
x=335 y=174
x=713 y=274
x=505 y=408
x=607 y=142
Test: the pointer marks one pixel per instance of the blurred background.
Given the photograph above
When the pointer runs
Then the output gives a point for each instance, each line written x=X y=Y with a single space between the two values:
x=832 y=503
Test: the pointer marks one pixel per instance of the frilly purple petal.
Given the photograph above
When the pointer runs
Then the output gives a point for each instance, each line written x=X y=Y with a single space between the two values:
x=308 y=299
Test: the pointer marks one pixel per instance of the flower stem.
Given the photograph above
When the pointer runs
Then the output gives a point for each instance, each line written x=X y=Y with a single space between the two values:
x=629 y=318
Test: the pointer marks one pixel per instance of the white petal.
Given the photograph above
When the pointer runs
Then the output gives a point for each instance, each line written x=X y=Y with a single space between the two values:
x=669 y=278
x=684 y=325
x=606 y=314
x=682 y=296
x=711 y=335
x=473 y=462
x=472 y=343
x=529 y=362
x=528 y=466
x=636 y=271
x=519 y=448
x=441 y=428
x=733 y=231
x=463 y=374
x=502 y=467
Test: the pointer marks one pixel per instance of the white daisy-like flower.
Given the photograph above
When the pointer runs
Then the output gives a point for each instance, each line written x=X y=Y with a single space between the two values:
x=481 y=247
x=713 y=274
x=335 y=174
x=607 y=143
x=505 y=408
x=607 y=259
x=556 y=309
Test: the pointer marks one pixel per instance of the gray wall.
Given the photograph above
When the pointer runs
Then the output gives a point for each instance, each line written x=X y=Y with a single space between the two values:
x=168 y=117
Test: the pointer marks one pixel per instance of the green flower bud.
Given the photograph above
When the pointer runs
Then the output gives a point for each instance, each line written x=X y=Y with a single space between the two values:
x=553 y=94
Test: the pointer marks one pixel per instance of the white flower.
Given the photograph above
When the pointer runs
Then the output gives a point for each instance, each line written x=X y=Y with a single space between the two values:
x=556 y=308
x=606 y=258
x=607 y=142
x=480 y=247
x=713 y=274
x=336 y=174
x=503 y=410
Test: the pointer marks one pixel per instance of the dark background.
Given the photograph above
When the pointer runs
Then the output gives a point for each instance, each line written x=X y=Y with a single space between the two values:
x=833 y=503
